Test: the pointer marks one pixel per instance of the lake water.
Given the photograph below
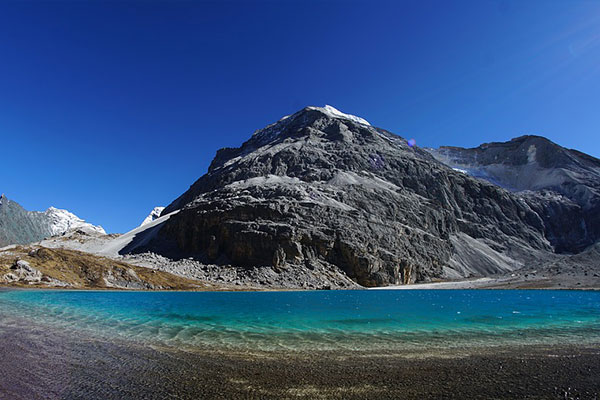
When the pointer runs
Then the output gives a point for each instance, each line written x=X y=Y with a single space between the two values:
x=321 y=320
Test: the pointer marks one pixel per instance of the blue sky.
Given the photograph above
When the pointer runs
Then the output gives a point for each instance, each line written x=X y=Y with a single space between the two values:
x=111 y=108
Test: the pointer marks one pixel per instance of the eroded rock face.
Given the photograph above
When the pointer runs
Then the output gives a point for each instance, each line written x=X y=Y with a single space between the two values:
x=314 y=191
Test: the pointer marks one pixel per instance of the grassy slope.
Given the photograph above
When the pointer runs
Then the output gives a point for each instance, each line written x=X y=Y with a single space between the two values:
x=86 y=271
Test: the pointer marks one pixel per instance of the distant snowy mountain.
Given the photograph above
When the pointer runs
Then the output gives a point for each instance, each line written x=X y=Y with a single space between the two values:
x=62 y=221
x=154 y=214
x=19 y=226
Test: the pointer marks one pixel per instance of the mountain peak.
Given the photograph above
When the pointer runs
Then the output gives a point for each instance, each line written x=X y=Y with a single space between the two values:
x=272 y=131
x=327 y=122
x=529 y=137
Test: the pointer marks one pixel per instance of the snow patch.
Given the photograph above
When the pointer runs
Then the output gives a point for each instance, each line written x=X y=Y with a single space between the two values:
x=335 y=113
x=154 y=214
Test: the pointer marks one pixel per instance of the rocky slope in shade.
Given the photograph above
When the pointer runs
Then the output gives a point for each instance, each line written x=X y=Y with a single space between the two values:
x=318 y=191
x=19 y=226
x=561 y=185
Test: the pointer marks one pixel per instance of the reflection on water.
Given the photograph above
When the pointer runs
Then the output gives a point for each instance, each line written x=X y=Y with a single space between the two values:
x=318 y=320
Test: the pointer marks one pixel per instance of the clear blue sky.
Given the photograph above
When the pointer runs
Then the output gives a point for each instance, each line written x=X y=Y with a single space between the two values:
x=109 y=109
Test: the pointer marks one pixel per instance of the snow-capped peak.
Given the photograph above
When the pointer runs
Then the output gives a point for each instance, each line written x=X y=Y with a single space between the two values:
x=62 y=221
x=270 y=132
x=335 y=113
x=154 y=214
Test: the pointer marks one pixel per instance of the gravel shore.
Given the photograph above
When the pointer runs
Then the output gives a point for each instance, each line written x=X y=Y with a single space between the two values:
x=38 y=363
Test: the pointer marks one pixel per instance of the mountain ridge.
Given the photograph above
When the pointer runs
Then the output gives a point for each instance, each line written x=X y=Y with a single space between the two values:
x=546 y=175
x=320 y=199
x=345 y=173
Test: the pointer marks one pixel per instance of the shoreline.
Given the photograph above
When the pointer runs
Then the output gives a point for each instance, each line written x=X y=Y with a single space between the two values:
x=40 y=363
x=485 y=283
x=44 y=360
x=477 y=284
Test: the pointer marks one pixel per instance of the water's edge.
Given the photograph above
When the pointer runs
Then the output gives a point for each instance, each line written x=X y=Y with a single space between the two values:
x=324 y=321
x=42 y=363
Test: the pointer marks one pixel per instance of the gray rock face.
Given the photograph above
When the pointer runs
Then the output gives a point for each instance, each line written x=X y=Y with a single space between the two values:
x=19 y=226
x=316 y=192
x=561 y=185
x=124 y=278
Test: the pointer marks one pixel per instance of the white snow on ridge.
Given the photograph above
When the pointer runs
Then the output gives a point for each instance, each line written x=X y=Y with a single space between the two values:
x=63 y=221
x=335 y=113
x=154 y=214
x=273 y=130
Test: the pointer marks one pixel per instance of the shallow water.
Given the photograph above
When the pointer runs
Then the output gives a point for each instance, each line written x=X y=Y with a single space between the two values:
x=322 y=320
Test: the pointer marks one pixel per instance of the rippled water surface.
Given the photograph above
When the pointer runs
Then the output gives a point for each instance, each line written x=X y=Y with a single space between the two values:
x=323 y=320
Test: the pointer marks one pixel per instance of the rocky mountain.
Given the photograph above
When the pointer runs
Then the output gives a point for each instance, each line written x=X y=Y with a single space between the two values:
x=19 y=226
x=326 y=196
x=561 y=185
x=154 y=214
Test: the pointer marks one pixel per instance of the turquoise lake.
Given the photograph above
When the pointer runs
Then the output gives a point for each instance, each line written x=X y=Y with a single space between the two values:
x=320 y=320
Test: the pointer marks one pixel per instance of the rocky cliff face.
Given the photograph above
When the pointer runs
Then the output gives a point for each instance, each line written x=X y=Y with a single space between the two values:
x=561 y=185
x=323 y=191
x=19 y=226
